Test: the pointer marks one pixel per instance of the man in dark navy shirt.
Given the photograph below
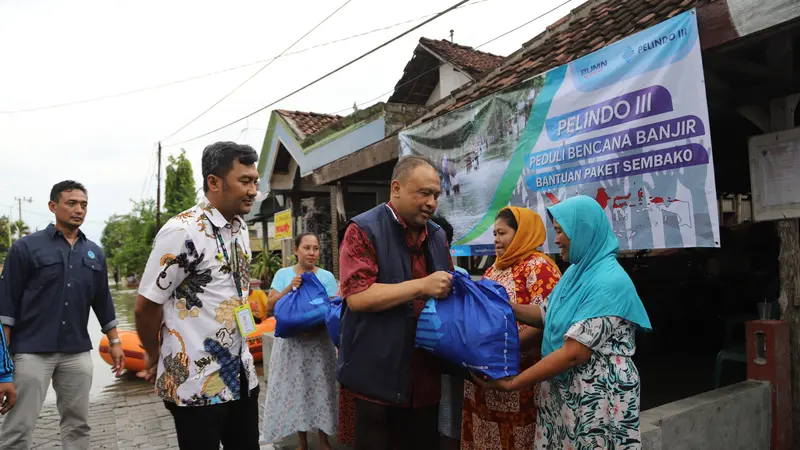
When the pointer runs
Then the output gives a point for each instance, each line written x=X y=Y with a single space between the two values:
x=49 y=282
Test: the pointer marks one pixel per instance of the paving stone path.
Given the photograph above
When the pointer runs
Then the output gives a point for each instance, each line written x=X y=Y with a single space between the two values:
x=137 y=419
x=133 y=420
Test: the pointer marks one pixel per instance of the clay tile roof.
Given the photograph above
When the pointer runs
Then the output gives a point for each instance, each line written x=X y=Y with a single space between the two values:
x=587 y=28
x=307 y=123
x=421 y=74
x=472 y=61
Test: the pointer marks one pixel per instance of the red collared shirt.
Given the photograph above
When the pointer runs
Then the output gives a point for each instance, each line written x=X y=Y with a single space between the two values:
x=358 y=266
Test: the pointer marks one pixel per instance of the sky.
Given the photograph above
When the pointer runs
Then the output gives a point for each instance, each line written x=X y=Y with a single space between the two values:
x=58 y=52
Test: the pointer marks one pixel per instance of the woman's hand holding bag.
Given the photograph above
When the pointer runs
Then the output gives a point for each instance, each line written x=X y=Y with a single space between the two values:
x=302 y=309
x=473 y=327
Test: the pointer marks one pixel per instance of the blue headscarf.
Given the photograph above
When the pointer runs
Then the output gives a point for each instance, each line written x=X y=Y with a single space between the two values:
x=595 y=285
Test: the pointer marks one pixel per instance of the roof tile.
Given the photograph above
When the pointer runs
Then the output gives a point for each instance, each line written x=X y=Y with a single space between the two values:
x=421 y=75
x=474 y=62
x=305 y=124
x=646 y=19
x=558 y=23
x=598 y=46
x=576 y=34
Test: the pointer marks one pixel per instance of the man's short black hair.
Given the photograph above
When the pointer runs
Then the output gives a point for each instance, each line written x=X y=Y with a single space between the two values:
x=218 y=159
x=448 y=229
x=65 y=186
x=407 y=164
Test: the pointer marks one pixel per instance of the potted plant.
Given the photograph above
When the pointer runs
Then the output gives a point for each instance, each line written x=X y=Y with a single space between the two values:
x=264 y=266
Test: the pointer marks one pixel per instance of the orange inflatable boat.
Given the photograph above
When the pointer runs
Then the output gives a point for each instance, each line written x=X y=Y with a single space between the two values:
x=131 y=346
x=254 y=338
x=134 y=352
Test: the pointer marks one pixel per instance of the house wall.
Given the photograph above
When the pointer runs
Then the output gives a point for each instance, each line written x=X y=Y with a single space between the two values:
x=737 y=417
x=449 y=80
x=320 y=155
x=341 y=146
x=280 y=135
x=377 y=195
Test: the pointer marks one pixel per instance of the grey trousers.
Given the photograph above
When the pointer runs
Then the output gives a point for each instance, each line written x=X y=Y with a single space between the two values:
x=72 y=378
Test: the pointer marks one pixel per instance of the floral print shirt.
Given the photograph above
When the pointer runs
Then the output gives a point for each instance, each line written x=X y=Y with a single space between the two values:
x=202 y=350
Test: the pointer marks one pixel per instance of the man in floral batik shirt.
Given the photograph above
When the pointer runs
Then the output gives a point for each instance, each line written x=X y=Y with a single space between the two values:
x=197 y=275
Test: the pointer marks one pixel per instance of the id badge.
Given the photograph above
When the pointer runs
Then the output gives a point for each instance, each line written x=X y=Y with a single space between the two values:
x=244 y=319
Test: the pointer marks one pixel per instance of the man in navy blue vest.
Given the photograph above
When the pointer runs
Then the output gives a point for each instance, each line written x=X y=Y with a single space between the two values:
x=393 y=259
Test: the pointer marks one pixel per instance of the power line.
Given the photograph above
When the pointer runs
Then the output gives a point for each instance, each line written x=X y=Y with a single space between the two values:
x=42 y=214
x=442 y=64
x=221 y=71
x=256 y=72
x=148 y=178
x=327 y=74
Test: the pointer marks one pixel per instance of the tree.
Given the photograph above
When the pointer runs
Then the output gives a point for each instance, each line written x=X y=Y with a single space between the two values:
x=20 y=228
x=6 y=235
x=128 y=239
x=113 y=237
x=9 y=232
x=180 y=193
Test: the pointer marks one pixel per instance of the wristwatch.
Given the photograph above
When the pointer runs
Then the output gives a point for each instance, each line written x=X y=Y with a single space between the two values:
x=114 y=341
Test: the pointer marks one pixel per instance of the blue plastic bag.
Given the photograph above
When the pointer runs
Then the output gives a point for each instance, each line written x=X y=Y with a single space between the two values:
x=474 y=327
x=333 y=319
x=302 y=309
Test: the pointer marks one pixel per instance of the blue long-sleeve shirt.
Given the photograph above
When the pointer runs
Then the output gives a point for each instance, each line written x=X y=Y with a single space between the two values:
x=6 y=364
x=46 y=290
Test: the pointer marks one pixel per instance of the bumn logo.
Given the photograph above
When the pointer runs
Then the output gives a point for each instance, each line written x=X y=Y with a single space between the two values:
x=594 y=68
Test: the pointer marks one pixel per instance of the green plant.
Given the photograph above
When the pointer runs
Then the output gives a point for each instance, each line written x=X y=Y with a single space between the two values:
x=127 y=239
x=6 y=233
x=180 y=193
x=265 y=265
x=20 y=228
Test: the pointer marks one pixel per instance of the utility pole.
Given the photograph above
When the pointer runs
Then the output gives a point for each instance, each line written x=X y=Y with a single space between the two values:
x=19 y=201
x=158 y=193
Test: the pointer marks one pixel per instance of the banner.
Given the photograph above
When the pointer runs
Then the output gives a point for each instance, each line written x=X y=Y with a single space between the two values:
x=283 y=225
x=627 y=125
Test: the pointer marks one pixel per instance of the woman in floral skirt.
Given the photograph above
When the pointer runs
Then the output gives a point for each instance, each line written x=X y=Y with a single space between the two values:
x=589 y=393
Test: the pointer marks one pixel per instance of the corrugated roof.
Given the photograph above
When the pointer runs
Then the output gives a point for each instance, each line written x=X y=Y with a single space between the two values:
x=307 y=123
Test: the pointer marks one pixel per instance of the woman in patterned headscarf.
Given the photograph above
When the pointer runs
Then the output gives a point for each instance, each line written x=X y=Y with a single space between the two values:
x=491 y=419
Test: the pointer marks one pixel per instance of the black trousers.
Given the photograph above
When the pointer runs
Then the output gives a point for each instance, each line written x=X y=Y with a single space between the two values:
x=234 y=424
x=381 y=427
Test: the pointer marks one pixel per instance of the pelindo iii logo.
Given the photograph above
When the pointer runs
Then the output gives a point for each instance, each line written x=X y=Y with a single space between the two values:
x=628 y=54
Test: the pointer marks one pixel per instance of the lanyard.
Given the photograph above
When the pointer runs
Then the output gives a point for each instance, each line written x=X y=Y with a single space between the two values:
x=235 y=266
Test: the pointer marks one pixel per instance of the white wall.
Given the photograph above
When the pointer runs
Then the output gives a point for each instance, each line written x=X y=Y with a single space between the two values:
x=449 y=80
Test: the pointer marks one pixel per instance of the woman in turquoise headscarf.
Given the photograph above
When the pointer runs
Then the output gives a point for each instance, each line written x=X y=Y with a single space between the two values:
x=589 y=394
